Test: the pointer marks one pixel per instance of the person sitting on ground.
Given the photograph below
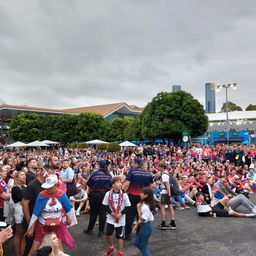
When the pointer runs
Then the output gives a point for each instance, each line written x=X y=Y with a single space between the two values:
x=224 y=208
x=80 y=198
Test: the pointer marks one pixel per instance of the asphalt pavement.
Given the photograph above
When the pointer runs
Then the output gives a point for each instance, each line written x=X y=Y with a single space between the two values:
x=194 y=236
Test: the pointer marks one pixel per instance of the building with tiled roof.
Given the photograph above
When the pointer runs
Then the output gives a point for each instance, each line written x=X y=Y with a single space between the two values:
x=109 y=111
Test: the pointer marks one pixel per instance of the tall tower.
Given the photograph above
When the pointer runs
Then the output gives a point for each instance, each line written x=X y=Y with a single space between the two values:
x=176 y=88
x=210 y=98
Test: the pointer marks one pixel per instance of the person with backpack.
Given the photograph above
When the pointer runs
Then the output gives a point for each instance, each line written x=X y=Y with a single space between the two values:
x=165 y=198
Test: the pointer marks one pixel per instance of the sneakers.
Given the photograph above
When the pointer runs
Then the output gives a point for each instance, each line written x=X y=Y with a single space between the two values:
x=162 y=226
x=109 y=251
x=77 y=213
x=172 y=225
x=119 y=254
x=185 y=207
x=250 y=215
x=179 y=208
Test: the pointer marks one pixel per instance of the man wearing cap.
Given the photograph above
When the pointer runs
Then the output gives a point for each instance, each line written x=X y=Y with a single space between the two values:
x=99 y=183
x=28 y=202
x=136 y=180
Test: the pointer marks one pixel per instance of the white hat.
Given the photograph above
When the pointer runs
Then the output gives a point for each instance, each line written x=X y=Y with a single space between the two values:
x=78 y=185
x=251 y=166
x=50 y=181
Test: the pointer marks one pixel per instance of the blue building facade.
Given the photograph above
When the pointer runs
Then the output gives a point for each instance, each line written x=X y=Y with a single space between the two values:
x=241 y=137
x=210 y=98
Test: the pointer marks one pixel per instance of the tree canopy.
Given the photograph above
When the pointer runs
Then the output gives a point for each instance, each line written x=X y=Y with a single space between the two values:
x=231 y=107
x=250 y=107
x=168 y=114
x=165 y=117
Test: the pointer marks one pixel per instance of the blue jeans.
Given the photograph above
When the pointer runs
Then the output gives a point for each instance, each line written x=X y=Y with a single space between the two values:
x=141 y=241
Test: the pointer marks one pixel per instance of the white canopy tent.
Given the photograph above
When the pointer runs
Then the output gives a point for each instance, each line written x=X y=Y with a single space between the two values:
x=37 y=143
x=127 y=144
x=96 y=142
x=17 y=144
x=49 y=142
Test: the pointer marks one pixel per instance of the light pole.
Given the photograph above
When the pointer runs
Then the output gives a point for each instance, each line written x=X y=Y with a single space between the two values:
x=227 y=86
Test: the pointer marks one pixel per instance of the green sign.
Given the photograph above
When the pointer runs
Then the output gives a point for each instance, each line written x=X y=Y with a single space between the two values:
x=185 y=136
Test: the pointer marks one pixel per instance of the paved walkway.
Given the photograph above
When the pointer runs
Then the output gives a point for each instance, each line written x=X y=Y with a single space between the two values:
x=195 y=236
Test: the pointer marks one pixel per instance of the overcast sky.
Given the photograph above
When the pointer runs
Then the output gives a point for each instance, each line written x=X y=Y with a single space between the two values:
x=72 y=53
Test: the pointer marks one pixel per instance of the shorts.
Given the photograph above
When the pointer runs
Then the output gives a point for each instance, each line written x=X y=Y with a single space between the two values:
x=119 y=231
x=41 y=230
x=18 y=213
x=165 y=199
x=220 y=210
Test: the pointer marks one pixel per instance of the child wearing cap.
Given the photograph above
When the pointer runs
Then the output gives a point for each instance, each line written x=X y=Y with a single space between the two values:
x=80 y=198
x=116 y=203
x=48 y=215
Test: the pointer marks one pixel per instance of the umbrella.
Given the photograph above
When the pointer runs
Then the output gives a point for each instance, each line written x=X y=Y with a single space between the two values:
x=127 y=144
x=37 y=143
x=96 y=142
x=17 y=144
x=49 y=142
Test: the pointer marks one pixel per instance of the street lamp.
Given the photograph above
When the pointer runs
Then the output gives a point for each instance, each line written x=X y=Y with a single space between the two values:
x=226 y=86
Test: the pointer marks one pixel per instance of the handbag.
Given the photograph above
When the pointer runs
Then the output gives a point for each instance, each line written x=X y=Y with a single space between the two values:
x=71 y=188
x=52 y=222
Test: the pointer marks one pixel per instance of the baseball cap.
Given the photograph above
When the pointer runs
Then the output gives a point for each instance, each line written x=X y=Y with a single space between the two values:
x=102 y=163
x=251 y=166
x=78 y=185
x=138 y=161
x=50 y=181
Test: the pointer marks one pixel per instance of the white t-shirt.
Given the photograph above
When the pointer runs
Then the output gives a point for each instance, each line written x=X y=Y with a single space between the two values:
x=164 y=178
x=203 y=207
x=125 y=203
x=147 y=215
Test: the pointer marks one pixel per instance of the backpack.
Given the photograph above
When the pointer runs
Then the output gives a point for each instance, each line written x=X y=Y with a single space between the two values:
x=175 y=188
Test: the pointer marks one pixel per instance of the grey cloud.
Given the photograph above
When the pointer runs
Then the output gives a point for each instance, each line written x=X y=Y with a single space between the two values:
x=68 y=53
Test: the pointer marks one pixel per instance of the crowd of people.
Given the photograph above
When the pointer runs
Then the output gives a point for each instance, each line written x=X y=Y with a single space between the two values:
x=42 y=192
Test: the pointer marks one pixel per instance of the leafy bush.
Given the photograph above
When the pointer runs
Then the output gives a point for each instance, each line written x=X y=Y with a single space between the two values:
x=82 y=145
x=101 y=147
x=73 y=145
x=113 y=147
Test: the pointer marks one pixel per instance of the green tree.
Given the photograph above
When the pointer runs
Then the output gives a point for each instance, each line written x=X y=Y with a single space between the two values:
x=62 y=128
x=231 y=107
x=26 y=127
x=117 y=128
x=168 y=114
x=133 y=130
x=90 y=126
x=250 y=107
